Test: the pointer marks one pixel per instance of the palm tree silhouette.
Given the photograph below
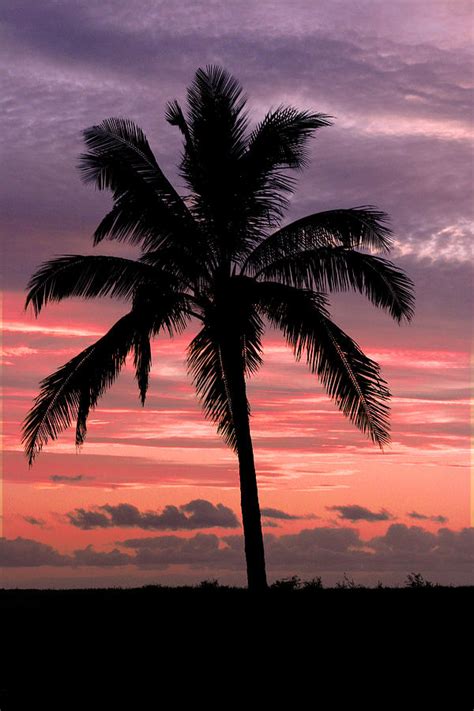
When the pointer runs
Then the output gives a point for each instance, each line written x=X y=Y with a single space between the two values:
x=216 y=254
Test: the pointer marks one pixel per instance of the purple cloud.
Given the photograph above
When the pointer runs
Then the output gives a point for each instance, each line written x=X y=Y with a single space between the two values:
x=34 y=521
x=353 y=512
x=198 y=513
x=323 y=550
x=424 y=517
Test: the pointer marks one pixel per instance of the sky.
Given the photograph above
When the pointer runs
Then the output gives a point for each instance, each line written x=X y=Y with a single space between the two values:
x=153 y=495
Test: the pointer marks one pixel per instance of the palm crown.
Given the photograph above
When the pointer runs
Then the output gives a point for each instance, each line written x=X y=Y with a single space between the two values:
x=219 y=255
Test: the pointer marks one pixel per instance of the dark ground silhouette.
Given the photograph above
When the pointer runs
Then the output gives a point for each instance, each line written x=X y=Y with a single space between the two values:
x=158 y=647
x=210 y=591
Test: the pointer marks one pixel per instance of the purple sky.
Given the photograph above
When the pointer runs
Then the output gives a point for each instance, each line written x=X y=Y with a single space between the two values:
x=396 y=76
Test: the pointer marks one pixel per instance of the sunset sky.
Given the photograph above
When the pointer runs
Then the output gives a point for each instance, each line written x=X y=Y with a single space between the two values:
x=153 y=495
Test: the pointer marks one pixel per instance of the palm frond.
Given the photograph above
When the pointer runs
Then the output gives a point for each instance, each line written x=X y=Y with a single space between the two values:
x=142 y=362
x=350 y=378
x=118 y=147
x=159 y=309
x=341 y=269
x=252 y=343
x=175 y=117
x=206 y=369
x=277 y=143
x=238 y=184
x=119 y=158
x=90 y=276
x=156 y=311
x=217 y=119
x=137 y=219
x=280 y=139
x=75 y=388
x=214 y=132
x=83 y=410
x=353 y=228
x=181 y=265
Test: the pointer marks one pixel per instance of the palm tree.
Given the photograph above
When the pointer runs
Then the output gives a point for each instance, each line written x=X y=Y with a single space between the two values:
x=219 y=255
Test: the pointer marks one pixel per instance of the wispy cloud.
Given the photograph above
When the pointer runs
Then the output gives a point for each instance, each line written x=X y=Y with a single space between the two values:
x=353 y=512
x=283 y=516
x=34 y=521
x=423 y=517
x=67 y=479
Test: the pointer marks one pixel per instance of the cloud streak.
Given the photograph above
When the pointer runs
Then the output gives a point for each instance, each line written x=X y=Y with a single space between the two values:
x=66 y=479
x=34 y=521
x=353 y=512
x=422 y=517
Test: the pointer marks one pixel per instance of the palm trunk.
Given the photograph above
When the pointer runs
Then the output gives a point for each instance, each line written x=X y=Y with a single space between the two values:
x=253 y=537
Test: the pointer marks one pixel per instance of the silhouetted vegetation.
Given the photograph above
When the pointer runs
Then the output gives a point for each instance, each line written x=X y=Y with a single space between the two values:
x=416 y=580
x=150 y=594
x=347 y=583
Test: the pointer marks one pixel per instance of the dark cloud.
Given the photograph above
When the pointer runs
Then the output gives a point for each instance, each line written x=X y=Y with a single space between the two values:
x=360 y=513
x=401 y=548
x=311 y=551
x=35 y=521
x=308 y=547
x=201 y=550
x=89 y=556
x=203 y=514
x=317 y=550
x=65 y=479
x=424 y=517
x=419 y=516
x=24 y=552
x=88 y=519
x=276 y=513
x=282 y=515
x=400 y=541
x=193 y=515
